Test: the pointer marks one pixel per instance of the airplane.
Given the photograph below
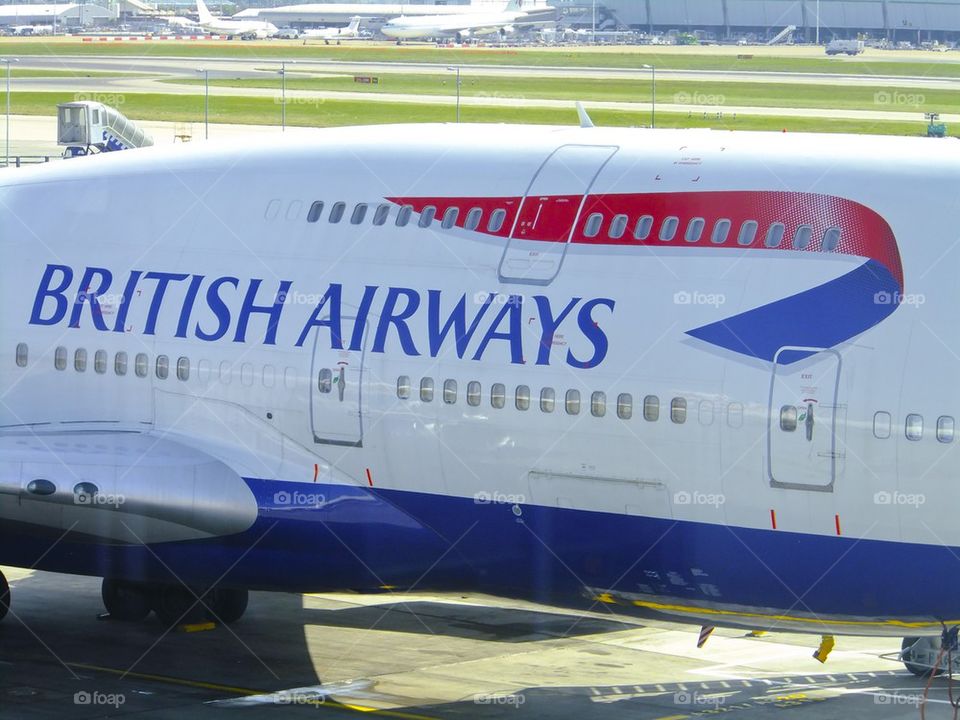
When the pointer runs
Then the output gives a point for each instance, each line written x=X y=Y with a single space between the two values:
x=258 y=29
x=351 y=32
x=460 y=26
x=682 y=373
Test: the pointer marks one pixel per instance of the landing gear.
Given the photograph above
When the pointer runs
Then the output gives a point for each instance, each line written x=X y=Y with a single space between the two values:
x=919 y=655
x=4 y=596
x=174 y=604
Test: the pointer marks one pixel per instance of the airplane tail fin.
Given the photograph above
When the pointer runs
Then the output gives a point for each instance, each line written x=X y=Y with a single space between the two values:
x=514 y=6
x=202 y=11
x=354 y=25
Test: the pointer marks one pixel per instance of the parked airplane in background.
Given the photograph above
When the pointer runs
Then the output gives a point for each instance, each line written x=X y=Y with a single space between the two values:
x=461 y=26
x=226 y=26
x=701 y=374
x=350 y=32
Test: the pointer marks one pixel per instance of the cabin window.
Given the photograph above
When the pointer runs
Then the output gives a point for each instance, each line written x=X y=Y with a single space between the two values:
x=120 y=363
x=678 y=411
x=705 y=413
x=140 y=364
x=325 y=380
x=618 y=227
x=474 y=393
x=695 y=230
x=21 y=355
x=831 y=240
x=403 y=387
x=359 y=213
x=748 y=233
x=246 y=374
x=651 y=408
x=497 y=219
x=882 y=423
x=289 y=374
x=80 y=360
x=381 y=214
x=225 y=373
x=775 y=235
x=625 y=406
x=100 y=362
x=498 y=396
x=668 y=231
x=914 y=427
x=473 y=219
x=163 y=367
x=735 y=415
x=523 y=397
x=427 y=216
x=548 y=400
x=721 y=231
x=450 y=392
x=336 y=212
x=450 y=218
x=598 y=404
x=788 y=418
x=316 y=210
x=183 y=369
x=404 y=215
x=60 y=358
x=594 y=223
x=573 y=402
x=644 y=226
x=945 y=429
x=803 y=237
x=426 y=390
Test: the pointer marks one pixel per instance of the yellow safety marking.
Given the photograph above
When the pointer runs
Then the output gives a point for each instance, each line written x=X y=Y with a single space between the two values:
x=673 y=717
x=246 y=691
x=666 y=607
x=757 y=633
x=198 y=627
x=823 y=652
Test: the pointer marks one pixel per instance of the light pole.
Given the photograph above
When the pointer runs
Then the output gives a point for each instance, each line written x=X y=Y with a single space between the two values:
x=457 y=70
x=8 y=61
x=653 y=99
x=283 y=93
x=206 y=102
x=818 y=22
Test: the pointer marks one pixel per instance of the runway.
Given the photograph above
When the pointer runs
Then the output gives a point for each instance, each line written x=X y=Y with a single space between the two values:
x=418 y=656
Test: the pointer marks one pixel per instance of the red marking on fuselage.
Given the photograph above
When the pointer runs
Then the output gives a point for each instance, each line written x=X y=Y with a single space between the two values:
x=369 y=478
x=773 y=518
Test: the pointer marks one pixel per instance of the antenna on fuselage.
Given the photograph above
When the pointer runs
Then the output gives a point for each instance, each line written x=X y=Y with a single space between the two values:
x=585 y=121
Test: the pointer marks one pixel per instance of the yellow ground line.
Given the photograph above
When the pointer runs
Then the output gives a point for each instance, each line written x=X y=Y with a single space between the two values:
x=246 y=691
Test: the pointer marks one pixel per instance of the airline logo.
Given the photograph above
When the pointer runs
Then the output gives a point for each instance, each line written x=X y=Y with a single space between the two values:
x=821 y=317
x=427 y=322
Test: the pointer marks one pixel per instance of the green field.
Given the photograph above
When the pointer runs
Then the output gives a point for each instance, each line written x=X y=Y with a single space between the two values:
x=745 y=94
x=696 y=59
x=261 y=111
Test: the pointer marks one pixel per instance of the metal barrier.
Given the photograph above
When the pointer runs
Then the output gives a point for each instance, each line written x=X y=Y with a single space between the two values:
x=20 y=160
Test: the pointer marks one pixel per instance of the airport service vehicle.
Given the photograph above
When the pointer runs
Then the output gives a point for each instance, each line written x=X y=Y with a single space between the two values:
x=699 y=374
x=246 y=29
x=845 y=47
x=88 y=126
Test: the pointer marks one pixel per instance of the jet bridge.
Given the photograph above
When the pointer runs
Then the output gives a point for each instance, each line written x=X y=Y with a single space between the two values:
x=86 y=127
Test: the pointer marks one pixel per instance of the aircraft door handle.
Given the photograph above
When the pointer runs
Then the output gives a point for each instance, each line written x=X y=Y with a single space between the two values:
x=808 y=423
x=341 y=382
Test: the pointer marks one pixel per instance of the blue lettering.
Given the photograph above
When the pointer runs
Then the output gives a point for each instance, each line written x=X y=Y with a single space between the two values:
x=125 y=300
x=512 y=335
x=390 y=316
x=187 y=308
x=86 y=295
x=332 y=320
x=456 y=320
x=360 y=325
x=163 y=280
x=591 y=330
x=271 y=311
x=46 y=291
x=219 y=308
x=549 y=325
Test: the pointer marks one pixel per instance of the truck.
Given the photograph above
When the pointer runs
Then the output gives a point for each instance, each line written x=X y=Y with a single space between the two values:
x=845 y=47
